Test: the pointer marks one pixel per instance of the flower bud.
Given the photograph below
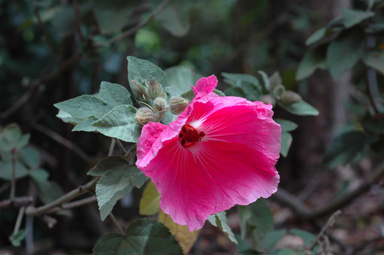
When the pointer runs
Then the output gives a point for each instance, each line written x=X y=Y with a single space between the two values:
x=268 y=99
x=144 y=115
x=178 y=105
x=278 y=92
x=290 y=97
x=160 y=104
x=139 y=90
x=154 y=89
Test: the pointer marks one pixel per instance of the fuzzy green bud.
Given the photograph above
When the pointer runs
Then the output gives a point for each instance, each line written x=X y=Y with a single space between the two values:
x=154 y=89
x=268 y=99
x=178 y=105
x=139 y=90
x=278 y=92
x=290 y=97
x=144 y=115
x=160 y=104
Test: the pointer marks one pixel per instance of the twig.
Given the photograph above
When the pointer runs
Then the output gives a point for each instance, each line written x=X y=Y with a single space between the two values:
x=29 y=237
x=327 y=225
x=111 y=147
x=19 y=219
x=140 y=25
x=74 y=204
x=63 y=141
x=120 y=145
x=116 y=223
x=13 y=180
x=65 y=198
x=77 y=18
x=303 y=211
x=16 y=202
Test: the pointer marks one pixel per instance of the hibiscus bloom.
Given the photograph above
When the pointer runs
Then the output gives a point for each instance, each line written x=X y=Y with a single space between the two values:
x=220 y=152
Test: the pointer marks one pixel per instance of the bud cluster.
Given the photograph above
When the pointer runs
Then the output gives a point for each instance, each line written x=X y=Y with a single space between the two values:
x=278 y=93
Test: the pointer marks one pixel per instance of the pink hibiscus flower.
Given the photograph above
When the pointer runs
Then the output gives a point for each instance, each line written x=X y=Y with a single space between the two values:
x=220 y=152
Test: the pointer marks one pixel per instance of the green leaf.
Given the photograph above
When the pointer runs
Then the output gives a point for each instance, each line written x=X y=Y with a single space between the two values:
x=286 y=125
x=143 y=237
x=286 y=141
x=174 y=17
x=307 y=237
x=272 y=238
x=11 y=137
x=120 y=123
x=374 y=60
x=354 y=17
x=149 y=202
x=85 y=125
x=286 y=252
x=185 y=238
x=344 y=148
x=139 y=68
x=17 y=237
x=84 y=107
x=313 y=59
x=257 y=219
x=316 y=36
x=47 y=191
x=180 y=79
x=113 y=15
x=117 y=180
x=220 y=220
x=6 y=170
x=30 y=157
x=301 y=108
x=114 y=94
x=344 y=52
x=248 y=83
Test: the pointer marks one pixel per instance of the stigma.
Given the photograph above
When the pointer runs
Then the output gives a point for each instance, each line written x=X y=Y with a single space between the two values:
x=189 y=136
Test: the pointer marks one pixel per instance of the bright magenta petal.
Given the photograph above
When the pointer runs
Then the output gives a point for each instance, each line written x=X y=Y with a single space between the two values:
x=205 y=85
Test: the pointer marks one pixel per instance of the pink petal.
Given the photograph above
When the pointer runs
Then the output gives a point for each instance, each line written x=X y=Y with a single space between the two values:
x=205 y=85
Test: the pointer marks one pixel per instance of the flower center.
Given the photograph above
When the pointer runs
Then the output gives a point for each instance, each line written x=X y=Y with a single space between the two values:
x=189 y=136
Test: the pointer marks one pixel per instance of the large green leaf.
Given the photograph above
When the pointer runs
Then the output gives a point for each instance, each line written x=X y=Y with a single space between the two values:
x=143 y=237
x=47 y=191
x=354 y=17
x=301 y=108
x=220 y=220
x=313 y=59
x=180 y=79
x=11 y=137
x=114 y=94
x=272 y=238
x=375 y=60
x=30 y=157
x=344 y=148
x=117 y=180
x=175 y=17
x=143 y=69
x=249 y=84
x=286 y=125
x=316 y=36
x=256 y=219
x=344 y=52
x=6 y=170
x=120 y=122
x=149 y=202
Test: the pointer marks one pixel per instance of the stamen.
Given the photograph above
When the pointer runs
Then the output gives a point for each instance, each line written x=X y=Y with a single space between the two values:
x=189 y=136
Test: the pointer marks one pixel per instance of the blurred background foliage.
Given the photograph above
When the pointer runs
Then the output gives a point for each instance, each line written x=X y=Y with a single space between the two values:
x=51 y=51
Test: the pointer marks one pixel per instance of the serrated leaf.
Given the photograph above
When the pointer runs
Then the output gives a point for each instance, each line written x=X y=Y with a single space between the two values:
x=117 y=180
x=301 y=108
x=354 y=17
x=30 y=157
x=272 y=238
x=344 y=148
x=175 y=18
x=84 y=107
x=85 y=125
x=316 y=36
x=307 y=237
x=6 y=170
x=313 y=59
x=67 y=118
x=185 y=238
x=11 y=137
x=139 y=68
x=149 y=202
x=344 y=52
x=143 y=237
x=220 y=220
x=374 y=60
x=286 y=125
x=120 y=123
x=114 y=94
